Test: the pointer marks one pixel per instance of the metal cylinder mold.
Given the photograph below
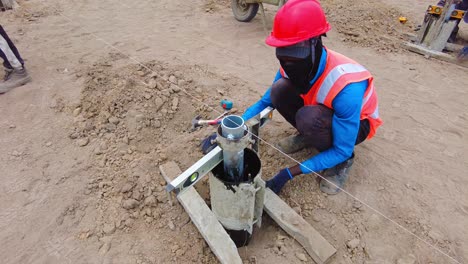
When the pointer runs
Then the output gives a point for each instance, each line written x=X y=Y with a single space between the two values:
x=233 y=127
x=236 y=189
x=239 y=205
x=232 y=130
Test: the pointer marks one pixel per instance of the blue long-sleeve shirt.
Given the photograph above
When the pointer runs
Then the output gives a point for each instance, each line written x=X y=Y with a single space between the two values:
x=345 y=124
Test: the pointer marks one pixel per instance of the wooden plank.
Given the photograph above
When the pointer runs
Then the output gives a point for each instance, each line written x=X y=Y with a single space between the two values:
x=434 y=37
x=453 y=47
x=204 y=219
x=448 y=46
x=435 y=54
x=411 y=37
x=314 y=243
x=440 y=40
x=425 y=27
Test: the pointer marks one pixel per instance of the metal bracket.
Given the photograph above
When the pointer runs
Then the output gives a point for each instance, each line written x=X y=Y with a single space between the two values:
x=256 y=123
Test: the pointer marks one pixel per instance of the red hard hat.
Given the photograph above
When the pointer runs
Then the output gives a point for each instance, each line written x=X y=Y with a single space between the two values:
x=297 y=21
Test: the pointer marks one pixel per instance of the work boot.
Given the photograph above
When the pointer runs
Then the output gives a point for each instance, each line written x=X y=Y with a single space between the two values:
x=292 y=144
x=14 y=78
x=337 y=175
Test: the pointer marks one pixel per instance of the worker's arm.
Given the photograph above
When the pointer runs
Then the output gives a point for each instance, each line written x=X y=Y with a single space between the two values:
x=261 y=104
x=345 y=127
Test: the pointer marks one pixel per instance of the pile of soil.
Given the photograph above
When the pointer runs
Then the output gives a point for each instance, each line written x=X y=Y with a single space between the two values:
x=133 y=118
x=369 y=23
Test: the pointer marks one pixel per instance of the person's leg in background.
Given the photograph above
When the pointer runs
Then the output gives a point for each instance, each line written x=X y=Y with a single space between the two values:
x=15 y=73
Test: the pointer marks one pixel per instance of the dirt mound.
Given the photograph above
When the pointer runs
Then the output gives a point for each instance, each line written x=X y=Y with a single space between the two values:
x=368 y=23
x=133 y=118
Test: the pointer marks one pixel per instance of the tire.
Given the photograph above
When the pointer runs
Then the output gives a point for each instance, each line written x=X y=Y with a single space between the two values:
x=243 y=12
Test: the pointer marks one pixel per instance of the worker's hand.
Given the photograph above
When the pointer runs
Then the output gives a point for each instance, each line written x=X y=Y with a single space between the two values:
x=208 y=144
x=277 y=183
x=463 y=55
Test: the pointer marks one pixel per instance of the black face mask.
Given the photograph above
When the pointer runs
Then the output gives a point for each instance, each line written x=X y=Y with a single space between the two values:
x=299 y=73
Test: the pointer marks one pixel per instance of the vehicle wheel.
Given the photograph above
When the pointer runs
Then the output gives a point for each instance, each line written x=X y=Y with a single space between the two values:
x=242 y=11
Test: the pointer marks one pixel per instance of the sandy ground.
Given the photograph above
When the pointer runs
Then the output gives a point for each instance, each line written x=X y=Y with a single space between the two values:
x=80 y=146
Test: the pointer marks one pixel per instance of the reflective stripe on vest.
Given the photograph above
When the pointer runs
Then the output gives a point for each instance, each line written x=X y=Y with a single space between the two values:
x=368 y=96
x=333 y=76
x=375 y=114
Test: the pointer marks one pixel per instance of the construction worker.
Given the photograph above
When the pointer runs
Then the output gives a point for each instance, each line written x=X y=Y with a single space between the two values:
x=329 y=98
x=15 y=72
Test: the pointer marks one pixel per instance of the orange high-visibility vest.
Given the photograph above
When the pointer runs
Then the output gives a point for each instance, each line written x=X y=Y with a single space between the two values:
x=340 y=71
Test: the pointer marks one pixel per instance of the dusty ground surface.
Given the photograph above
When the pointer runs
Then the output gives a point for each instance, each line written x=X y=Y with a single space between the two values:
x=80 y=146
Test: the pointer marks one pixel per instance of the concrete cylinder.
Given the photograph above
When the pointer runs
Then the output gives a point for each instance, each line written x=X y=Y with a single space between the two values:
x=239 y=206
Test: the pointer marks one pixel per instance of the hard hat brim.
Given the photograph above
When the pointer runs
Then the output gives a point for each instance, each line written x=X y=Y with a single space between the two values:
x=278 y=43
x=273 y=41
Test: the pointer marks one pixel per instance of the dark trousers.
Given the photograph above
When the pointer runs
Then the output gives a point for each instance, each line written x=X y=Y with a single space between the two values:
x=313 y=122
x=10 y=49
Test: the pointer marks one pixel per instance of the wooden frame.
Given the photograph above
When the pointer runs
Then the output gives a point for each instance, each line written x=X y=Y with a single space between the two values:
x=434 y=34
x=319 y=249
